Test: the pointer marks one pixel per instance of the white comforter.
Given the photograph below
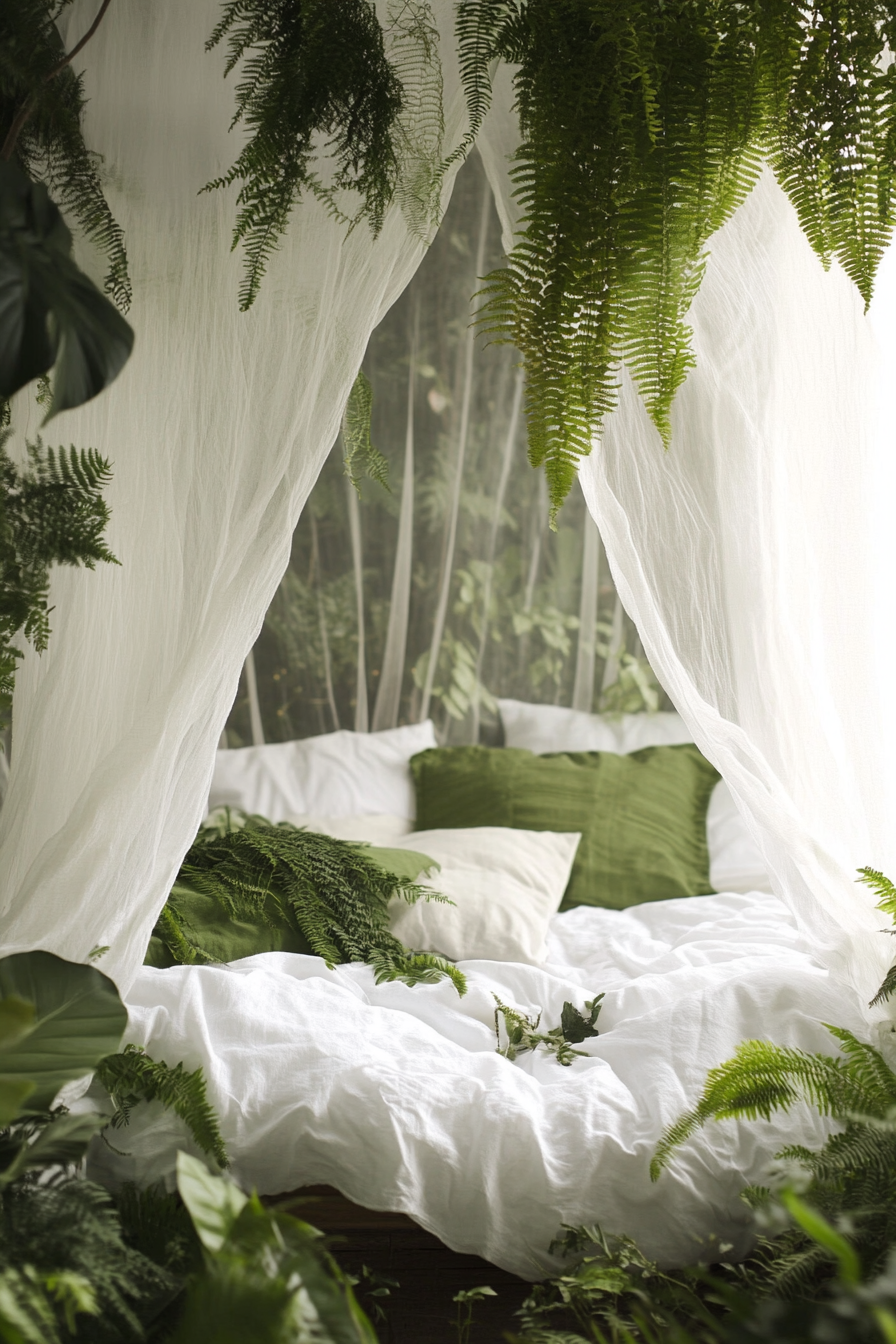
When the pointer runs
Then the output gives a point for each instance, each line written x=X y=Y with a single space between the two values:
x=396 y=1095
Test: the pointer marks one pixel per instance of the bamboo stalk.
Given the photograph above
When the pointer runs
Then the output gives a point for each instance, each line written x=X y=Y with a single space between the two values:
x=463 y=434
x=583 y=687
x=388 y=697
x=503 y=480
x=254 y=707
x=354 y=527
x=322 y=623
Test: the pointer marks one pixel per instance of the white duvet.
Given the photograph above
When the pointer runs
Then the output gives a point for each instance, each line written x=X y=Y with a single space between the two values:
x=396 y=1096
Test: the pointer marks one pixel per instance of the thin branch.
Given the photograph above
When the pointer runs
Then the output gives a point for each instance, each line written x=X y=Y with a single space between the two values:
x=28 y=107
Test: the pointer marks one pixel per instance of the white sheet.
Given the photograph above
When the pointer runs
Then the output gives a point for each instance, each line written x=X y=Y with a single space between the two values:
x=396 y=1096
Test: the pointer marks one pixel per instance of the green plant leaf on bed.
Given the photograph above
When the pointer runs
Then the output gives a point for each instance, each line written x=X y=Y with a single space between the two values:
x=417 y=968
x=316 y=894
x=523 y=1035
x=131 y=1076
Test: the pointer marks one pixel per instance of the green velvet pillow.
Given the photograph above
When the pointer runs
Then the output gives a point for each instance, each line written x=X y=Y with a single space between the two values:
x=222 y=937
x=642 y=816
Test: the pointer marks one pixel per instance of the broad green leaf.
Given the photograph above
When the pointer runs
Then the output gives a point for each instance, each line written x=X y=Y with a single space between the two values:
x=50 y=311
x=79 y=1018
x=213 y=1202
x=16 y=1020
x=14 y=1092
x=820 y=1230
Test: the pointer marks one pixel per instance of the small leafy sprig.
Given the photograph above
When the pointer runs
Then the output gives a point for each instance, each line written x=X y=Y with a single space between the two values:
x=523 y=1035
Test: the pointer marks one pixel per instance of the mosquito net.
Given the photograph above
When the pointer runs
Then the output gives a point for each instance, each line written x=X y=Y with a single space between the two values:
x=754 y=556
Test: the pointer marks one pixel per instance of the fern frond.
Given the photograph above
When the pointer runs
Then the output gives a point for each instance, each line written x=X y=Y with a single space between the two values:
x=762 y=1078
x=479 y=26
x=413 y=49
x=417 y=968
x=329 y=890
x=883 y=888
x=356 y=435
x=311 y=73
x=132 y=1076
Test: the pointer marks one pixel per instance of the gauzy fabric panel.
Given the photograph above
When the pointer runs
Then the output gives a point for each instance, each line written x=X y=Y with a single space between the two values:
x=217 y=428
x=642 y=816
x=756 y=556
x=504 y=886
x=735 y=863
x=341 y=774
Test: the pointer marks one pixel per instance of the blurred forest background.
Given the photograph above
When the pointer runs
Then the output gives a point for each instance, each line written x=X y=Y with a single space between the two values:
x=446 y=590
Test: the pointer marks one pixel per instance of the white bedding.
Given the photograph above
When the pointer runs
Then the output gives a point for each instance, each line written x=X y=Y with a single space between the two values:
x=396 y=1096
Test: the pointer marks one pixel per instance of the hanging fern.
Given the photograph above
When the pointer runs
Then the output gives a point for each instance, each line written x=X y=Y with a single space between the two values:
x=329 y=890
x=131 y=1076
x=51 y=513
x=315 y=78
x=644 y=126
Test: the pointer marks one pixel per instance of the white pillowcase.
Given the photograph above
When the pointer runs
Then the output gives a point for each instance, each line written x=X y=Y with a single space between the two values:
x=505 y=884
x=735 y=863
x=372 y=830
x=341 y=774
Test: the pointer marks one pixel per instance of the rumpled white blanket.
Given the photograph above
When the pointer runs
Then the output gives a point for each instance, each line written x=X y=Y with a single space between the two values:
x=396 y=1096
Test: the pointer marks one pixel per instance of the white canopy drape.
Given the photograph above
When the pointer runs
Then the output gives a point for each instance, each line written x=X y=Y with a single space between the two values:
x=217 y=429
x=758 y=555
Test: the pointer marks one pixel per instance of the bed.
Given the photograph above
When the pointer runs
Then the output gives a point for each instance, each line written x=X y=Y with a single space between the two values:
x=397 y=1095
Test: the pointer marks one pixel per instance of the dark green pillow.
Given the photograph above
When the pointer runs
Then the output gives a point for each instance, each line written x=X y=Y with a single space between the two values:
x=223 y=937
x=642 y=816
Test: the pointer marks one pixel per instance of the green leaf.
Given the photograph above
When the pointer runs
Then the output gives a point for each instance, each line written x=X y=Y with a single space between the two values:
x=213 y=1202
x=61 y=1143
x=821 y=1231
x=50 y=312
x=78 y=1018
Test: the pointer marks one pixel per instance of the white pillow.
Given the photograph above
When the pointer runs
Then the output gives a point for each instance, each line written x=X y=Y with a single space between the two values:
x=505 y=885
x=370 y=830
x=735 y=863
x=341 y=774
x=542 y=728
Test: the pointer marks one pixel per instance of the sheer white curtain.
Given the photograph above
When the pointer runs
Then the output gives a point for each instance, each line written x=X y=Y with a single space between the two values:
x=758 y=555
x=217 y=429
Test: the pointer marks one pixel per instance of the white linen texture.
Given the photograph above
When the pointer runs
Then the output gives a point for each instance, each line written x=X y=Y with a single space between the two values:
x=395 y=1095
x=504 y=884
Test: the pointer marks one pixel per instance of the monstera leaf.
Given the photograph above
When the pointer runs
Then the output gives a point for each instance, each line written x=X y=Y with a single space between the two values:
x=50 y=312
x=58 y=1019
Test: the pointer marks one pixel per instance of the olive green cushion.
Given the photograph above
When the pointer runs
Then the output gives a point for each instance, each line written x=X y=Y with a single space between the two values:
x=642 y=816
x=224 y=938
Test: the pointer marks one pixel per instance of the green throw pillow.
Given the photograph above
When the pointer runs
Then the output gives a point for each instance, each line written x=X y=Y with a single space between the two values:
x=223 y=937
x=642 y=816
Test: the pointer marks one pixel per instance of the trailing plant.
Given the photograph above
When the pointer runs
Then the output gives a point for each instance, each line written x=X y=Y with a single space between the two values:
x=51 y=513
x=523 y=1035
x=644 y=126
x=315 y=75
x=329 y=890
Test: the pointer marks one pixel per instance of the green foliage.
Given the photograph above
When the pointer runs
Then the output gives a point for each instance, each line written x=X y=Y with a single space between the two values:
x=50 y=312
x=266 y=1277
x=131 y=1076
x=466 y=1300
x=50 y=146
x=885 y=891
x=356 y=433
x=335 y=895
x=315 y=76
x=644 y=127
x=51 y=513
x=65 y=1269
x=523 y=1035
